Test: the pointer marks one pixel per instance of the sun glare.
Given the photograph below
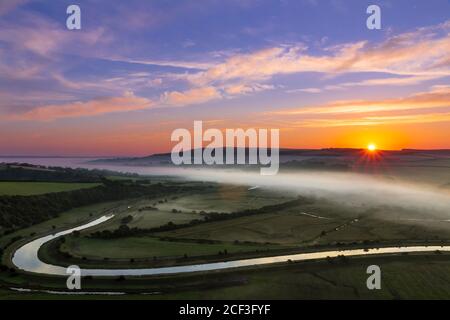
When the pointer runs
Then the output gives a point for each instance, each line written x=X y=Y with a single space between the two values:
x=371 y=147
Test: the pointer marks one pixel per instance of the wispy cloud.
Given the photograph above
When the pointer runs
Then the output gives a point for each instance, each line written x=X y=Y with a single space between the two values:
x=374 y=120
x=405 y=59
x=431 y=106
x=420 y=55
x=165 y=63
x=44 y=37
x=308 y=90
x=192 y=96
x=10 y=5
x=127 y=102
x=242 y=88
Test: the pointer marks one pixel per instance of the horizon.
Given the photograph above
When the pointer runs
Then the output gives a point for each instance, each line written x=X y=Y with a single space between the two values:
x=168 y=152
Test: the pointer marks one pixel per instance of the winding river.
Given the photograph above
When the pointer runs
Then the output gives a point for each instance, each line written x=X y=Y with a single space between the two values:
x=26 y=258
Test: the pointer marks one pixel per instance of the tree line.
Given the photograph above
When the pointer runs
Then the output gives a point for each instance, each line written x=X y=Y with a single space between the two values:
x=29 y=172
x=23 y=211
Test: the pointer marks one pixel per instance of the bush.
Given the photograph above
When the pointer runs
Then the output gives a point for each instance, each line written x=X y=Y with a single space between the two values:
x=126 y=219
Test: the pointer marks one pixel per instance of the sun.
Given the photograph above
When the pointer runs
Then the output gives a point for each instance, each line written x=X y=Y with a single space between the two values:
x=372 y=147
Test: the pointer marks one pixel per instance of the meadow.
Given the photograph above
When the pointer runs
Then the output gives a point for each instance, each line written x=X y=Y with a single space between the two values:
x=317 y=223
x=21 y=188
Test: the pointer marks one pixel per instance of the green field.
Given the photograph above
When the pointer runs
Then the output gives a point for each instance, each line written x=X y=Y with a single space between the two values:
x=317 y=222
x=148 y=247
x=403 y=277
x=66 y=220
x=281 y=228
x=190 y=206
x=419 y=278
x=227 y=198
x=34 y=188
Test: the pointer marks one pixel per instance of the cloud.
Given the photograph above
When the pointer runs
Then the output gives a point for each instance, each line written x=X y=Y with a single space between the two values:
x=164 y=63
x=374 y=120
x=238 y=89
x=392 y=81
x=431 y=106
x=10 y=5
x=437 y=98
x=188 y=43
x=192 y=96
x=424 y=54
x=44 y=37
x=35 y=51
x=127 y=102
x=308 y=90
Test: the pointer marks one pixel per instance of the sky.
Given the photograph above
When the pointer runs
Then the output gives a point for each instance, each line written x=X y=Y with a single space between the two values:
x=137 y=70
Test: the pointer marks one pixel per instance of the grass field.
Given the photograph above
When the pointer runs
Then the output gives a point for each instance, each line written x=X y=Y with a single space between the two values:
x=319 y=223
x=227 y=198
x=295 y=228
x=403 y=277
x=66 y=220
x=282 y=228
x=421 y=279
x=189 y=206
x=148 y=247
x=34 y=188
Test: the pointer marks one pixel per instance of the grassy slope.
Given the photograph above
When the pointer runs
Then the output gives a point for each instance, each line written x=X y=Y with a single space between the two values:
x=34 y=188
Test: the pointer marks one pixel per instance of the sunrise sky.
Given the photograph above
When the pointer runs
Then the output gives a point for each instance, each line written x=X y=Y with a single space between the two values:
x=139 y=69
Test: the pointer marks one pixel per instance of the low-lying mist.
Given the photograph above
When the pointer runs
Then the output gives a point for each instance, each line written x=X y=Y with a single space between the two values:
x=349 y=189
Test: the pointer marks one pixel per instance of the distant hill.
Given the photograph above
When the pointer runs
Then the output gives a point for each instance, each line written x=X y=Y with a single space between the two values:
x=335 y=157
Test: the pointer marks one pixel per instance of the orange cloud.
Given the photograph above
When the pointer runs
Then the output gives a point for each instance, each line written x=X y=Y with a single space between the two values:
x=127 y=102
x=424 y=53
x=197 y=95
x=437 y=98
x=377 y=120
x=432 y=106
x=237 y=89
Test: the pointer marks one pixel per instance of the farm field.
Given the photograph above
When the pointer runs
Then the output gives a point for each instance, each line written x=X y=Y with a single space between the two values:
x=318 y=223
x=148 y=247
x=179 y=209
x=21 y=188
x=422 y=279
x=404 y=277
x=233 y=222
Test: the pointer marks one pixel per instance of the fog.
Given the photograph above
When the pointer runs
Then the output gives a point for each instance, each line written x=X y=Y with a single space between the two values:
x=351 y=189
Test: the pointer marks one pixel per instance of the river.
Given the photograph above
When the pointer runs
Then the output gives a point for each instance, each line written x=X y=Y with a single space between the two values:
x=26 y=258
